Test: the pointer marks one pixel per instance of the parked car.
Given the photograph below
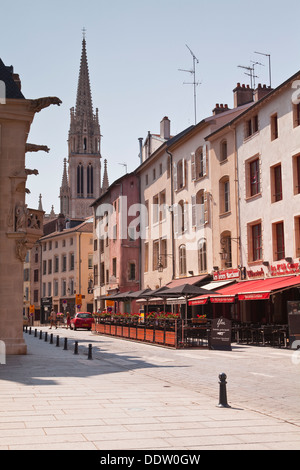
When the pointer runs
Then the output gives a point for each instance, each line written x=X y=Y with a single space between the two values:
x=82 y=320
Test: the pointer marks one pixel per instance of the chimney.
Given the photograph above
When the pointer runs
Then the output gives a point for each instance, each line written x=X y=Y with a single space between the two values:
x=165 y=127
x=220 y=108
x=242 y=94
x=261 y=91
x=17 y=80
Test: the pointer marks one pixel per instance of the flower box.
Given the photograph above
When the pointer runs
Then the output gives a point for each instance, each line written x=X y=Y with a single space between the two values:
x=132 y=333
x=149 y=335
x=159 y=336
x=140 y=334
x=170 y=338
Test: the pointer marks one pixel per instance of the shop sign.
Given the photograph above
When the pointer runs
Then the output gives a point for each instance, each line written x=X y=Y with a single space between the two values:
x=220 y=334
x=284 y=268
x=255 y=274
x=226 y=275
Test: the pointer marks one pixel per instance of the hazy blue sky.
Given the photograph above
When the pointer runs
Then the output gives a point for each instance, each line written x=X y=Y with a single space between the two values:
x=135 y=49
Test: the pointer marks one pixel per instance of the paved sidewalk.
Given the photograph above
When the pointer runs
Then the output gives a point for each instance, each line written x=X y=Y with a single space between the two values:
x=52 y=399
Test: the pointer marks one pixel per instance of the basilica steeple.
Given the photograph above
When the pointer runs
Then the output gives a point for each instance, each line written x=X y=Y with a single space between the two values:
x=84 y=165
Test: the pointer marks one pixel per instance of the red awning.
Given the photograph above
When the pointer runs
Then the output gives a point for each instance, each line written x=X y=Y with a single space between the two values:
x=249 y=290
x=186 y=280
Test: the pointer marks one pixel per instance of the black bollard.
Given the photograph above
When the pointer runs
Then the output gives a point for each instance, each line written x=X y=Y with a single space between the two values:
x=46 y=336
x=30 y=330
x=41 y=334
x=223 y=394
x=90 y=352
x=57 y=341
x=76 y=347
x=35 y=333
x=51 y=338
x=66 y=344
x=26 y=328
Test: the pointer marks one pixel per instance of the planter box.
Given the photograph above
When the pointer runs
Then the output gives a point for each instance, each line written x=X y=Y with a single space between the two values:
x=159 y=336
x=140 y=334
x=126 y=331
x=133 y=333
x=119 y=330
x=107 y=329
x=170 y=338
x=113 y=330
x=149 y=335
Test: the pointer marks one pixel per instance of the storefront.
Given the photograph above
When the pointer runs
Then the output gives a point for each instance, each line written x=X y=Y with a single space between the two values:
x=255 y=301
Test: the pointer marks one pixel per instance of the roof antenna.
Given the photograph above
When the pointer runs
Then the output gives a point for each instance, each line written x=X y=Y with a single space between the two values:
x=269 y=56
x=194 y=83
x=83 y=33
x=125 y=166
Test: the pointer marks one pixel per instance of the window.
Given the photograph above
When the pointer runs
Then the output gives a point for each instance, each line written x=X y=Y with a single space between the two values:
x=182 y=260
x=64 y=263
x=56 y=264
x=274 y=127
x=154 y=174
x=95 y=244
x=163 y=252
x=252 y=177
x=224 y=194
x=162 y=203
x=36 y=275
x=198 y=163
x=49 y=289
x=102 y=274
x=226 y=253
x=278 y=241
x=180 y=219
x=63 y=287
x=55 y=288
x=71 y=284
x=276 y=183
x=107 y=277
x=131 y=272
x=90 y=261
x=44 y=267
x=146 y=180
x=146 y=265
x=251 y=126
x=114 y=267
x=36 y=295
x=44 y=289
x=296 y=173
x=80 y=180
x=179 y=175
x=160 y=169
x=155 y=255
x=96 y=279
x=50 y=266
x=296 y=114
x=202 y=256
x=256 y=239
x=223 y=151
x=297 y=236
x=155 y=209
x=90 y=180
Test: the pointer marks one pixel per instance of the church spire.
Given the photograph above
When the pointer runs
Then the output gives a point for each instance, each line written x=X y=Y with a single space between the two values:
x=105 y=183
x=84 y=104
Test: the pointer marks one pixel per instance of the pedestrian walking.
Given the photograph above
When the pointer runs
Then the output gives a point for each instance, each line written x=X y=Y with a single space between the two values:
x=53 y=319
x=68 y=319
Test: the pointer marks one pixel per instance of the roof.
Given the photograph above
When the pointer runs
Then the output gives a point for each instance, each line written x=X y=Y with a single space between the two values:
x=257 y=104
x=12 y=90
x=117 y=181
x=85 y=227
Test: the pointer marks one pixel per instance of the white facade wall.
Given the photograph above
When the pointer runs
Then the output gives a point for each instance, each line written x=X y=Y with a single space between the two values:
x=262 y=206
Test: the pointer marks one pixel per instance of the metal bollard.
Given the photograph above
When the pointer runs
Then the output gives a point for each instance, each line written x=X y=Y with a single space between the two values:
x=30 y=330
x=76 y=347
x=51 y=338
x=35 y=333
x=66 y=344
x=46 y=336
x=223 y=394
x=41 y=334
x=90 y=352
x=57 y=341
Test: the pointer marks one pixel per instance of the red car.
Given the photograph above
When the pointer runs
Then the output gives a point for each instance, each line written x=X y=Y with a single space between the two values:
x=82 y=320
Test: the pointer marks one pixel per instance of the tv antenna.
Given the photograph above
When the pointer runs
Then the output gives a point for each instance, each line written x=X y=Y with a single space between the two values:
x=250 y=73
x=269 y=56
x=125 y=166
x=194 y=83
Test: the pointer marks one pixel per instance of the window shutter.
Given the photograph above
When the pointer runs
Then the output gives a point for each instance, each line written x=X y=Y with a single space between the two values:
x=204 y=159
x=194 y=220
x=186 y=216
x=206 y=207
x=193 y=167
x=183 y=173
x=175 y=176
x=176 y=208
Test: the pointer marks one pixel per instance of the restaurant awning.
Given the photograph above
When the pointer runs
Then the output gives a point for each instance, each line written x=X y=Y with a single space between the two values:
x=187 y=280
x=249 y=290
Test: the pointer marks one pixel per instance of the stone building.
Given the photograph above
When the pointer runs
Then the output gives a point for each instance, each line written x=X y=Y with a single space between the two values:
x=20 y=226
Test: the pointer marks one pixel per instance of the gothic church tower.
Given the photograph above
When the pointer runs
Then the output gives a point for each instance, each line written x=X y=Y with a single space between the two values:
x=82 y=185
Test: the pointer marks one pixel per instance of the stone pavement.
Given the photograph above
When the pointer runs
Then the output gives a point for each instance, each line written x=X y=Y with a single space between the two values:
x=52 y=399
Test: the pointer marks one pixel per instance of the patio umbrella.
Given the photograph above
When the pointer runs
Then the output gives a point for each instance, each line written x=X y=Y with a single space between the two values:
x=184 y=290
x=139 y=294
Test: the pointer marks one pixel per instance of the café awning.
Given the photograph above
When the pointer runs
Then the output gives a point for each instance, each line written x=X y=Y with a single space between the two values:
x=249 y=290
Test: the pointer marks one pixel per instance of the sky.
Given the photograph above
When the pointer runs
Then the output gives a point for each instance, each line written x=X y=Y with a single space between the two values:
x=135 y=50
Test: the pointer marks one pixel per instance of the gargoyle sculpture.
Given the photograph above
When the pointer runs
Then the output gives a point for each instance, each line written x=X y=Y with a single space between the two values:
x=36 y=148
x=41 y=103
x=31 y=172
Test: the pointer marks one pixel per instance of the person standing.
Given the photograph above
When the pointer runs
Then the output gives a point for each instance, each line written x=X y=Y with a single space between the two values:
x=53 y=319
